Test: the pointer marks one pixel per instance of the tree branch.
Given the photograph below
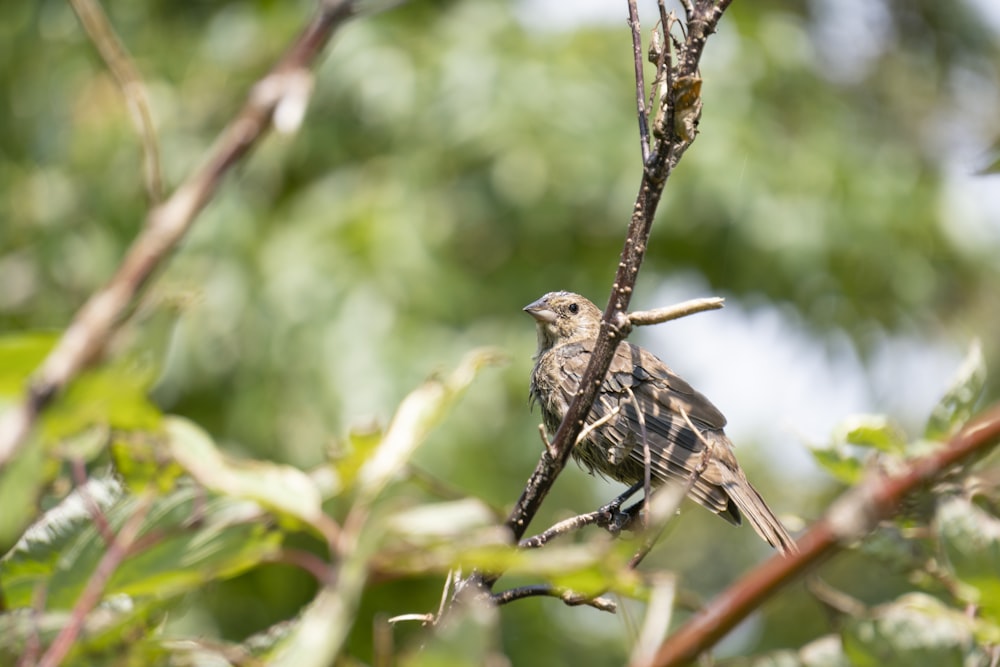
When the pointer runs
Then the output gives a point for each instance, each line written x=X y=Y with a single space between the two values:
x=640 y=85
x=167 y=224
x=91 y=595
x=615 y=322
x=126 y=74
x=569 y=597
x=852 y=516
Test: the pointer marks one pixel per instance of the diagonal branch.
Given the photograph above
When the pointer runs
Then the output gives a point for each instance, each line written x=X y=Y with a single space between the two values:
x=167 y=224
x=614 y=323
x=852 y=516
x=117 y=551
x=640 y=86
x=126 y=74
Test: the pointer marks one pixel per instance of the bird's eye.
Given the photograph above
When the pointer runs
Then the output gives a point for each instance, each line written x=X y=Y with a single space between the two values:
x=574 y=308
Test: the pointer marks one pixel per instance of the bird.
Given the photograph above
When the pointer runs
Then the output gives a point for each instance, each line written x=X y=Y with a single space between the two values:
x=616 y=436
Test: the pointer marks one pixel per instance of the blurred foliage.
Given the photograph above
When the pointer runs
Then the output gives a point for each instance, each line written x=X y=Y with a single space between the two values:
x=946 y=546
x=458 y=159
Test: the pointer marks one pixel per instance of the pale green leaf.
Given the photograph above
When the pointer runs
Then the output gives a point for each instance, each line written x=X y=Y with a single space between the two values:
x=419 y=412
x=957 y=405
x=113 y=395
x=21 y=482
x=466 y=638
x=916 y=629
x=873 y=431
x=228 y=538
x=843 y=467
x=278 y=487
x=20 y=355
x=971 y=541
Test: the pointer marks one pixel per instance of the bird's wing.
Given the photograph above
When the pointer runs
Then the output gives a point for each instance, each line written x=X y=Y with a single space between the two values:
x=637 y=379
x=644 y=372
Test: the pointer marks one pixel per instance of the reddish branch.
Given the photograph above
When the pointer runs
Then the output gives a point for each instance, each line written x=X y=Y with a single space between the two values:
x=166 y=225
x=91 y=595
x=856 y=513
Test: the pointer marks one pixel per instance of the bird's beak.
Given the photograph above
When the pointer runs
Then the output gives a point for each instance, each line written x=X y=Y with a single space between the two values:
x=540 y=311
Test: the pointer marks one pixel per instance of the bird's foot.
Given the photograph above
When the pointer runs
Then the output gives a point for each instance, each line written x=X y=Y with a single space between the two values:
x=612 y=518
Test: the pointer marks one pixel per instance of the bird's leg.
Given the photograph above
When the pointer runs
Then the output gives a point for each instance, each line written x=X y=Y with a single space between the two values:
x=612 y=518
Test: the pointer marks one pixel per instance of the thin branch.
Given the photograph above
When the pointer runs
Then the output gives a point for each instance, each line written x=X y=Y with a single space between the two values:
x=569 y=597
x=660 y=315
x=33 y=643
x=615 y=322
x=852 y=516
x=701 y=22
x=545 y=440
x=96 y=514
x=126 y=74
x=561 y=528
x=590 y=428
x=640 y=84
x=166 y=225
x=92 y=592
x=304 y=560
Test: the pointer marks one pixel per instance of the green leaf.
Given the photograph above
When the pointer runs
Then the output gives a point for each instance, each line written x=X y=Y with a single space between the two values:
x=188 y=542
x=466 y=638
x=109 y=633
x=113 y=395
x=21 y=483
x=971 y=541
x=916 y=629
x=318 y=637
x=836 y=461
x=419 y=412
x=826 y=651
x=875 y=432
x=361 y=442
x=143 y=459
x=20 y=355
x=277 y=487
x=957 y=405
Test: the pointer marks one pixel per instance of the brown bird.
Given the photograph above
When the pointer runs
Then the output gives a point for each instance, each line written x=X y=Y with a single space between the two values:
x=568 y=325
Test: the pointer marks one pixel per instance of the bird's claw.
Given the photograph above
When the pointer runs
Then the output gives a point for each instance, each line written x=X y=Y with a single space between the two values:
x=612 y=518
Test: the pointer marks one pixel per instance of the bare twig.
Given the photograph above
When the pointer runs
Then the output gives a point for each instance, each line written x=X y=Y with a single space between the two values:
x=545 y=440
x=674 y=312
x=304 y=560
x=569 y=597
x=852 y=516
x=126 y=74
x=96 y=514
x=640 y=85
x=33 y=643
x=590 y=428
x=560 y=528
x=166 y=225
x=92 y=592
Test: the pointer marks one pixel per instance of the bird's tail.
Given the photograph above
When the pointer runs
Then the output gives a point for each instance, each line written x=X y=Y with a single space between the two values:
x=753 y=507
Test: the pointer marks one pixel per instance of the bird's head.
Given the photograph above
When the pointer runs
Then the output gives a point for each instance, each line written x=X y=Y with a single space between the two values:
x=564 y=317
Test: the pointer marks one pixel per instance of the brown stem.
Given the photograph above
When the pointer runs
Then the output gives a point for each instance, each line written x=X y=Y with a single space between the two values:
x=852 y=516
x=126 y=74
x=165 y=226
x=640 y=85
x=92 y=592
